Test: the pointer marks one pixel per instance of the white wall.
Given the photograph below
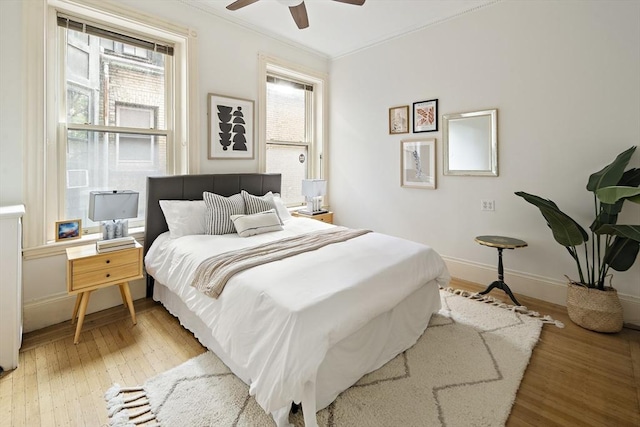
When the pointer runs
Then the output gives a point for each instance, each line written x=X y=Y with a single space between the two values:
x=227 y=64
x=565 y=78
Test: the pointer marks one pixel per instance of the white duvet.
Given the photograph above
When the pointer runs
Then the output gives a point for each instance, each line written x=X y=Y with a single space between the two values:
x=277 y=321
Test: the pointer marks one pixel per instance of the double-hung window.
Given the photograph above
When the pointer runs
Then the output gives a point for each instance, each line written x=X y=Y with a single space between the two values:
x=294 y=132
x=116 y=125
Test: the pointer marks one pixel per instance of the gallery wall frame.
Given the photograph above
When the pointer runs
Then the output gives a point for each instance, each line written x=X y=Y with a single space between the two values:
x=68 y=229
x=418 y=163
x=231 y=127
x=425 y=116
x=399 y=120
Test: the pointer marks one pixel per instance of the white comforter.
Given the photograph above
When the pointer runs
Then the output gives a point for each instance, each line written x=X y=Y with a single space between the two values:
x=278 y=320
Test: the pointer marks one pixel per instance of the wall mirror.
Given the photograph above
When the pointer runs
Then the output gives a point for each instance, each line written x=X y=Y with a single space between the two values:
x=471 y=143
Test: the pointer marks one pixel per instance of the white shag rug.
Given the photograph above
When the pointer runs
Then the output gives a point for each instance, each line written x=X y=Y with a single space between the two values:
x=465 y=370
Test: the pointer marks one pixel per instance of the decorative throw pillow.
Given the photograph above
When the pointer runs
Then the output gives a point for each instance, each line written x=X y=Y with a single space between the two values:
x=263 y=222
x=257 y=204
x=219 y=211
x=184 y=217
x=281 y=209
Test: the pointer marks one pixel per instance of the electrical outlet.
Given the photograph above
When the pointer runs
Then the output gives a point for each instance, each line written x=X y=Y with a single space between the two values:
x=487 y=205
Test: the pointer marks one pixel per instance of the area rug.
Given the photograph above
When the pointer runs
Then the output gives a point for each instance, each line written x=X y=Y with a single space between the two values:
x=465 y=370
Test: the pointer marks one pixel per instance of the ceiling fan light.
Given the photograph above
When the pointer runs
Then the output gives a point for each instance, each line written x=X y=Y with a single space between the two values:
x=291 y=3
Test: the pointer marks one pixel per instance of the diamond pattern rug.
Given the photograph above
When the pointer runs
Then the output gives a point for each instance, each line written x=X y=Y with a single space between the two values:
x=464 y=371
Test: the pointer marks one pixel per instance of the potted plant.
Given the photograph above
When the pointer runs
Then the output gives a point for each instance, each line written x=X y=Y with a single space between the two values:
x=590 y=302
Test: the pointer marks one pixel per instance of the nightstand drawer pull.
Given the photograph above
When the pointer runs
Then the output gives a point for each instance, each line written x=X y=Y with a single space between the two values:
x=108 y=275
x=108 y=261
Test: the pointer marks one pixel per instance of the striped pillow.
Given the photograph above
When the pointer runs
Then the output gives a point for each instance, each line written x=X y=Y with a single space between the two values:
x=250 y=225
x=219 y=211
x=257 y=204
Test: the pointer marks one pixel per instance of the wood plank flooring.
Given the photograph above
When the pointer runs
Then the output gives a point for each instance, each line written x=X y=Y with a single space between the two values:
x=575 y=377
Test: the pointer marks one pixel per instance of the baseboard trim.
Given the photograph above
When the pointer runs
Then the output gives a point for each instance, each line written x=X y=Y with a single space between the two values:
x=57 y=308
x=542 y=288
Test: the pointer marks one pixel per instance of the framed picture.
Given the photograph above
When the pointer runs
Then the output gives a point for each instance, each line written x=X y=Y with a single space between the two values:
x=418 y=163
x=231 y=127
x=399 y=120
x=68 y=229
x=425 y=116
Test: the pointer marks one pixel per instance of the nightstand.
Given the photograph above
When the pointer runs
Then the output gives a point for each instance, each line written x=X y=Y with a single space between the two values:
x=324 y=217
x=88 y=270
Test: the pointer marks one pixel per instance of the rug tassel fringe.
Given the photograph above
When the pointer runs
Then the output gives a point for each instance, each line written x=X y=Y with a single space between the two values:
x=128 y=406
x=498 y=303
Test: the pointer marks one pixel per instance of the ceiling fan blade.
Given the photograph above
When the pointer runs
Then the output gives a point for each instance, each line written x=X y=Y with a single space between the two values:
x=240 y=3
x=299 y=14
x=354 y=2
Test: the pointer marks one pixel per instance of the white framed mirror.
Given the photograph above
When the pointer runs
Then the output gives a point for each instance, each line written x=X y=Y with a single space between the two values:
x=471 y=143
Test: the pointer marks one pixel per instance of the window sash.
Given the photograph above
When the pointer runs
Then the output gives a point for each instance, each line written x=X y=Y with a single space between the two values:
x=107 y=129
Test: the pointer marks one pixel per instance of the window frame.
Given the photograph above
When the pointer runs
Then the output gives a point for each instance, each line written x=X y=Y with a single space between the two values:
x=317 y=115
x=45 y=130
x=115 y=129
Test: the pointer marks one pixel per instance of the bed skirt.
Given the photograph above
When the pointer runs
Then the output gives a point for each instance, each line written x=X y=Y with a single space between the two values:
x=364 y=351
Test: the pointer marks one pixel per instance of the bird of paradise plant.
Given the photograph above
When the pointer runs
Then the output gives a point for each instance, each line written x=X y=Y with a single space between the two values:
x=612 y=245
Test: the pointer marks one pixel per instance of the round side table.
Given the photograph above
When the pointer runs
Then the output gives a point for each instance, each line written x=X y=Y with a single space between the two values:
x=500 y=243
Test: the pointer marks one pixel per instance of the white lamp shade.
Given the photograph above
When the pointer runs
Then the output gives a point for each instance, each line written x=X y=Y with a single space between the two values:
x=314 y=187
x=108 y=205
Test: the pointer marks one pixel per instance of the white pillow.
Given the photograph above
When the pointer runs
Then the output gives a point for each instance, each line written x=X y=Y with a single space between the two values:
x=281 y=209
x=219 y=210
x=184 y=217
x=250 y=225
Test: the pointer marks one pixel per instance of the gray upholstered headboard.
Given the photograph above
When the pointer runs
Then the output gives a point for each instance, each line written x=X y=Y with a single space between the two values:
x=191 y=187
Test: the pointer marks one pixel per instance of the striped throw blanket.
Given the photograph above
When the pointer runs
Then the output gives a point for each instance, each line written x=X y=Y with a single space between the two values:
x=213 y=273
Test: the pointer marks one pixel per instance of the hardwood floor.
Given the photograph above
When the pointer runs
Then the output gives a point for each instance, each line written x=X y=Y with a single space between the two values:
x=575 y=377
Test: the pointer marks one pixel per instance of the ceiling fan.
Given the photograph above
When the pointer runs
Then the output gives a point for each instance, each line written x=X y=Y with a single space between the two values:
x=296 y=7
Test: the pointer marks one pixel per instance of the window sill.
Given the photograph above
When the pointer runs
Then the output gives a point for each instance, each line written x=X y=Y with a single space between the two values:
x=59 y=248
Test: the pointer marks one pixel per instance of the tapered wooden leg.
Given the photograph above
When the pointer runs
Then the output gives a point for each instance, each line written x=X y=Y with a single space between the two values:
x=75 y=308
x=122 y=294
x=83 y=310
x=127 y=294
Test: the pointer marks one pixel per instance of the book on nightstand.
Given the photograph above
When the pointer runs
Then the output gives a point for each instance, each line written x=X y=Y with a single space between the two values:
x=307 y=213
x=111 y=245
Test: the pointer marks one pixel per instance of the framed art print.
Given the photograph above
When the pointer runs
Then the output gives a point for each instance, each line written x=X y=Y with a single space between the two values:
x=68 y=229
x=399 y=120
x=231 y=127
x=418 y=163
x=425 y=116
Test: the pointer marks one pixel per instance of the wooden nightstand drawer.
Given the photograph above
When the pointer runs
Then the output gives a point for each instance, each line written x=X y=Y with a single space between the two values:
x=324 y=217
x=111 y=259
x=117 y=274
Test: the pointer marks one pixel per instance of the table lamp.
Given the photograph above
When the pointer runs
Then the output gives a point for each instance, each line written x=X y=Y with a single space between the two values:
x=313 y=190
x=112 y=209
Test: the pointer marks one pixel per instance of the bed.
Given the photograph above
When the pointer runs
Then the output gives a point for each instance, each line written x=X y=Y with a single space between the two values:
x=301 y=329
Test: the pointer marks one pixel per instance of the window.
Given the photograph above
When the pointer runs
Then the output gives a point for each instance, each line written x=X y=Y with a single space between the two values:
x=116 y=131
x=293 y=110
x=69 y=140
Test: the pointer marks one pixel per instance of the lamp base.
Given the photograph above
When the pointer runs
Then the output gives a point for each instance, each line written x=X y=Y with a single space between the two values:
x=114 y=229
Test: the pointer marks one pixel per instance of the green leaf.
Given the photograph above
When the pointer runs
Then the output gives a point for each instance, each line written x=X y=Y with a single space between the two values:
x=628 y=231
x=565 y=230
x=622 y=254
x=613 y=194
x=631 y=178
x=610 y=175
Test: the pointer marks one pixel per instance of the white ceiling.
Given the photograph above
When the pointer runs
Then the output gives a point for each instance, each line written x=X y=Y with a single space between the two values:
x=337 y=29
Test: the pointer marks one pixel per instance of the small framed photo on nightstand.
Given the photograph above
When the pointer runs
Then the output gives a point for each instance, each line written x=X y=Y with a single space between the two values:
x=68 y=229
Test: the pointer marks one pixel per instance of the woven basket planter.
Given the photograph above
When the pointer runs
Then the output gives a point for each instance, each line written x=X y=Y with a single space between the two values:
x=594 y=309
